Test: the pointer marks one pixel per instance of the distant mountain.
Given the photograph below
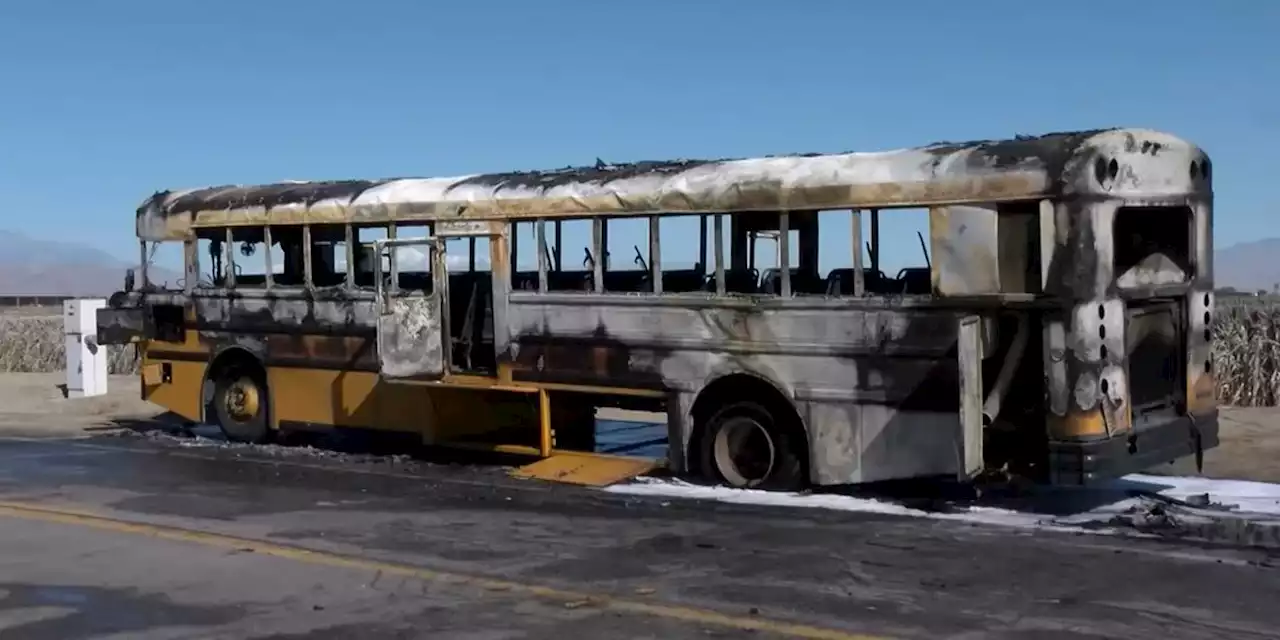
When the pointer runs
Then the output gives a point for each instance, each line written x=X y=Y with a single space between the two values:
x=31 y=266
x=1248 y=266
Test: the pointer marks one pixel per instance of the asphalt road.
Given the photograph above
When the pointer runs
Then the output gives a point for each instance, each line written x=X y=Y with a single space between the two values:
x=146 y=538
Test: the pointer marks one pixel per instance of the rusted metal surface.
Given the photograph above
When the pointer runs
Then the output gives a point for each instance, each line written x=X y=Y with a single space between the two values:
x=943 y=173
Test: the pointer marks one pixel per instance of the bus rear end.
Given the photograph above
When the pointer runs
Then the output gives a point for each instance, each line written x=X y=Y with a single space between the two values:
x=1129 y=364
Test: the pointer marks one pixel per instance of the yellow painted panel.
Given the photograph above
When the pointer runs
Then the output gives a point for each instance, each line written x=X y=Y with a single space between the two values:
x=406 y=408
x=1077 y=424
x=325 y=397
x=589 y=470
x=1200 y=392
x=182 y=395
x=302 y=395
x=190 y=344
x=470 y=414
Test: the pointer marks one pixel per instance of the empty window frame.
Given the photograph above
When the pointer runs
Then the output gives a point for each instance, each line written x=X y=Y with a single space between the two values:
x=248 y=257
x=411 y=264
x=560 y=243
x=162 y=266
x=682 y=253
x=365 y=253
x=523 y=260
x=627 y=255
x=210 y=260
x=328 y=256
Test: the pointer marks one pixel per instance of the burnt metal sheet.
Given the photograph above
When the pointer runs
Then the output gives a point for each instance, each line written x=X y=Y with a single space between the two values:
x=977 y=171
x=879 y=393
x=122 y=326
x=410 y=338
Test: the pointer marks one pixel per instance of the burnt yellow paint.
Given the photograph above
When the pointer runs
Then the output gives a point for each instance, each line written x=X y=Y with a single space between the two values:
x=323 y=397
x=545 y=431
x=190 y=343
x=440 y=413
x=151 y=374
x=182 y=394
x=1091 y=424
x=1077 y=425
x=614 y=391
x=490 y=413
x=1200 y=392
x=589 y=470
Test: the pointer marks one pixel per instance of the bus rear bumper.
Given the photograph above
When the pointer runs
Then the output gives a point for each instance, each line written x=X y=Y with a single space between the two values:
x=1090 y=462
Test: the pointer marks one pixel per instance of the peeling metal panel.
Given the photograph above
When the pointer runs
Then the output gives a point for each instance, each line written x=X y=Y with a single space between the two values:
x=410 y=338
x=965 y=249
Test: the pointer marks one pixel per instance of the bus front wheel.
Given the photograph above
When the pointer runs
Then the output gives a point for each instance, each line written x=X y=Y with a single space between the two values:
x=240 y=403
x=745 y=446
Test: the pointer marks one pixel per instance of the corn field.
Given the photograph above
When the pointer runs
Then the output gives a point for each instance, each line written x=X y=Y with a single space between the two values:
x=1246 y=354
x=1246 y=351
x=33 y=344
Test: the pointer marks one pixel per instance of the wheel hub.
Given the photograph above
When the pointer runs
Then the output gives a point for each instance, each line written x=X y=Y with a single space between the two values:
x=242 y=401
x=744 y=452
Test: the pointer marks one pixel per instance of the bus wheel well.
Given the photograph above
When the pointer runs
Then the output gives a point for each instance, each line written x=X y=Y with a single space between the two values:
x=738 y=388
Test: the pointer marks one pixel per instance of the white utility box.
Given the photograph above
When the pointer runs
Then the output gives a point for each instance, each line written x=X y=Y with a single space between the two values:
x=86 y=360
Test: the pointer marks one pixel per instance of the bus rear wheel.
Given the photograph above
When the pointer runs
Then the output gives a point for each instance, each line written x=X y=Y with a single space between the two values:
x=240 y=404
x=745 y=446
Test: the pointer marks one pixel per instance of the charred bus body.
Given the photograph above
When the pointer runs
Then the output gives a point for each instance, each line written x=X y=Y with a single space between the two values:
x=1059 y=331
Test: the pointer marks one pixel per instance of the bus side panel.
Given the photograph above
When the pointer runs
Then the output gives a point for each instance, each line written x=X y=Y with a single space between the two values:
x=482 y=416
x=877 y=387
x=174 y=384
x=172 y=374
x=852 y=442
x=323 y=397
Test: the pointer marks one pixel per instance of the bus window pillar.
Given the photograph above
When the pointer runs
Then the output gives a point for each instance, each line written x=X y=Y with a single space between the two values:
x=859 y=277
x=784 y=253
x=737 y=244
x=875 y=241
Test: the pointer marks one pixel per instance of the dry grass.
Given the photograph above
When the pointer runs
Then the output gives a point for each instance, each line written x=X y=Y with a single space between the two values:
x=1246 y=354
x=1246 y=351
x=33 y=344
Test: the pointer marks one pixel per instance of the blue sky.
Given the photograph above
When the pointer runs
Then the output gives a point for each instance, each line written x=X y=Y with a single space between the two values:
x=103 y=103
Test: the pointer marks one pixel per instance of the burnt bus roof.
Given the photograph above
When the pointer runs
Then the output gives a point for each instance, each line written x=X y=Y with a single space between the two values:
x=1019 y=168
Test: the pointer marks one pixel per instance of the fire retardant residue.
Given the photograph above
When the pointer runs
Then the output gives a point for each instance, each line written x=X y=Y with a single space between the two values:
x=1060 y=509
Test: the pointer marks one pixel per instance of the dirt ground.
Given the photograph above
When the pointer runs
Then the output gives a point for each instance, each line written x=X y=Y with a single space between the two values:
x=33 y=405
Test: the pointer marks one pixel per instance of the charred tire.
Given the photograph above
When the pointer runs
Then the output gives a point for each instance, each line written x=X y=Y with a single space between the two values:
x=240 y=404
x=746 y=446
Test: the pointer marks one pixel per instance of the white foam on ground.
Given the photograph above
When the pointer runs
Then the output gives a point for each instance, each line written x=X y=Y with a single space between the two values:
x=1248 y=496
x=1261 y=499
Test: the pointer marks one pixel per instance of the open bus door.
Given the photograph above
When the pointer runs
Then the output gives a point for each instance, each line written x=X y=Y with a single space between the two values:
x=411 y=322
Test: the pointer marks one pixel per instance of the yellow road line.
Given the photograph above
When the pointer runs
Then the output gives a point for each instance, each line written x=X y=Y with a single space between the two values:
x=601 y=601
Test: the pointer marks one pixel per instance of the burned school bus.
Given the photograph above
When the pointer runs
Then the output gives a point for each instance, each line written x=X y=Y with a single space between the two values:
x=1058 y=329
